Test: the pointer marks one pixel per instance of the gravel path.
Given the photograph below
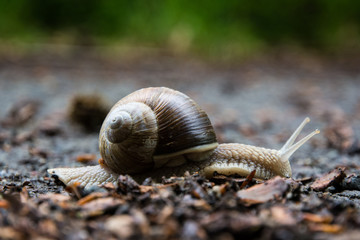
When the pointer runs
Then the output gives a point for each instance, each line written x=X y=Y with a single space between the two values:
x=258 y=103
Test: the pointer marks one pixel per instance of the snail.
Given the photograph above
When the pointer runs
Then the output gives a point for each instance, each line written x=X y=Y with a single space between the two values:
x=155 y=132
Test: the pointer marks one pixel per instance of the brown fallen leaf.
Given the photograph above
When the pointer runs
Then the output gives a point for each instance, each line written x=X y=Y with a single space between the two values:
x=54 y=197
x=195 y=194
x=220 y=179
x=282 y=216
x=100 y=206
x=90 y=197
x=315 y=218
x=248 y=179
x=219 y=190
x=24 y=195
x=11 y=233
x=145 y=189
x=61 y=200
x=165 y=214
x=13 y=202
x=4 y=204
x=141 y=221
x=223 y=220
x=326 y=228
x=75 y=189
x=109 y=186
x=329 y=179
x=304 y=180
x=170 y=229
x=264 y=192
x=121 y=225
x=201 y=204
x=223 y=187
x=86 y=158
x=126 y=184
x=102 y=203
x=48 y=227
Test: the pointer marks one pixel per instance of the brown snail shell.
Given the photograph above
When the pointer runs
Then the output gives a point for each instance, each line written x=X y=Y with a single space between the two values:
x=153 y=127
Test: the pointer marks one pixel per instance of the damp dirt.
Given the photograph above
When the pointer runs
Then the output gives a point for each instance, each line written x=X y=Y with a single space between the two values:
x=50 y=116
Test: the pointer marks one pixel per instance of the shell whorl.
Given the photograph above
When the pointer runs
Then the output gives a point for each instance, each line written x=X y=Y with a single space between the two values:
x=129 y=133
x=120 y=126
x=152 y=125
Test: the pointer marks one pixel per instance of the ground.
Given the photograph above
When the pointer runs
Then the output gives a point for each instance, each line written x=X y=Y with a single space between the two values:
x=51 y=111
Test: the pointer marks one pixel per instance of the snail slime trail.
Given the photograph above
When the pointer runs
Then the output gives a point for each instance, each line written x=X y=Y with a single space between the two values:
x=155 y=132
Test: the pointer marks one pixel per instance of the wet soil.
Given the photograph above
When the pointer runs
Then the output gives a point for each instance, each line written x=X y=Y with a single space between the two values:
x=51 y=111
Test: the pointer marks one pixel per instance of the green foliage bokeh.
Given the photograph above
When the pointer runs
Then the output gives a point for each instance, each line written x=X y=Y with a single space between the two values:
x=211 y=26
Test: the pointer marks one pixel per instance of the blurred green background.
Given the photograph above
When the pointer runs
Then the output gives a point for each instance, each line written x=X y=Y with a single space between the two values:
x=211 y=28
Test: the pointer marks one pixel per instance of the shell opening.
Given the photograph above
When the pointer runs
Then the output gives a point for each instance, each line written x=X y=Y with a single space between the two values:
x=289 y=147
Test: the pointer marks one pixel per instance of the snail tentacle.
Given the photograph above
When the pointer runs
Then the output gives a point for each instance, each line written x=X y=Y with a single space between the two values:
x=289 y=147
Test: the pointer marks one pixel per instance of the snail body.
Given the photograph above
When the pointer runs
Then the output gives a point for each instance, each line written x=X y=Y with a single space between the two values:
x=160 y=132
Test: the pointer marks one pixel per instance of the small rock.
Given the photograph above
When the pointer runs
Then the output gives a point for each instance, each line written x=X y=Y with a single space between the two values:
x=51 y=124
x=282 y=216
x=121 y=225
x=127 y=184
x=192 y=230
x=88 y=111
x=351 y=182
x=21 y=112
x=86 y=158
x=350 y=194
x=340 y=135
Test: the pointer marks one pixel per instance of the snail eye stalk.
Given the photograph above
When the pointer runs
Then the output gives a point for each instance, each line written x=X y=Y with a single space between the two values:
x=289 y=147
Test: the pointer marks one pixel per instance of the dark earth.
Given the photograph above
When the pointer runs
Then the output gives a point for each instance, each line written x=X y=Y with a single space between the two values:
x=52 y=108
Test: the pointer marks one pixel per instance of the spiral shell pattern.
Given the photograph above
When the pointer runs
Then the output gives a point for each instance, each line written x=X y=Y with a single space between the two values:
x=152 y=126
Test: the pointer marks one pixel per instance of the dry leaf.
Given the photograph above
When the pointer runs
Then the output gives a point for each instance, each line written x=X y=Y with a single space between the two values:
x=264 y=192
x=329 y=179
